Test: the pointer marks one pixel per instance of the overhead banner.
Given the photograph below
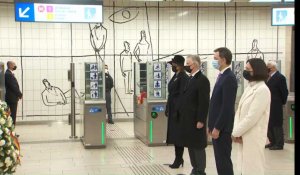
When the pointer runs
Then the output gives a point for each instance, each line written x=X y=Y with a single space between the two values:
x=27 y=11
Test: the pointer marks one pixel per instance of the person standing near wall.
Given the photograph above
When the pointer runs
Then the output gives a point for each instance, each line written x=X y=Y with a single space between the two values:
x=109 y=84
x=192 y=115
x=279 y=93
x=251 y=119
x=221 y=111
x=13 y=93
x=175 y=88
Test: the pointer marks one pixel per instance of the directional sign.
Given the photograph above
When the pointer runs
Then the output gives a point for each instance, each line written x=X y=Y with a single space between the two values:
x=45 y=12
x=24 y=12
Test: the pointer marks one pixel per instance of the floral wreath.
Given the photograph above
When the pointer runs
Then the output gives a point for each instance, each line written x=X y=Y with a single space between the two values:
x=9 y=144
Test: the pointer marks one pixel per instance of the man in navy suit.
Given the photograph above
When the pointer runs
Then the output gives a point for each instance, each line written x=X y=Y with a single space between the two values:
x=279 y=93
x=221 y=111
x=13 y=93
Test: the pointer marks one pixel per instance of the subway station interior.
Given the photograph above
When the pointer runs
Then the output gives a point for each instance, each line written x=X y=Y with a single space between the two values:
x=61 y=49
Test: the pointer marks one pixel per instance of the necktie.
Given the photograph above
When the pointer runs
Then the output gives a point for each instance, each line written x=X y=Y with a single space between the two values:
x=219 y=75
x=188 y=82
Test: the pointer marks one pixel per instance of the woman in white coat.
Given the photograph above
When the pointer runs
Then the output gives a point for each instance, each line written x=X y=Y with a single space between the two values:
x=251 y=119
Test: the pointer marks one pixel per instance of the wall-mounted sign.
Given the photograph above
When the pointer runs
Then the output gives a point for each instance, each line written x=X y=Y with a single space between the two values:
x=54 y=11
x=95 y=109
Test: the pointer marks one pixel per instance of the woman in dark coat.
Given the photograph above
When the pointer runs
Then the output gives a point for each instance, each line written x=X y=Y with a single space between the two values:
x=175 y=87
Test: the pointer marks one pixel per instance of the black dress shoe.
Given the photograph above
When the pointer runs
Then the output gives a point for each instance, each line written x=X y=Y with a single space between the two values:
x=111 y=122
x=268 y=145
x=276 y=148
x=177 y=164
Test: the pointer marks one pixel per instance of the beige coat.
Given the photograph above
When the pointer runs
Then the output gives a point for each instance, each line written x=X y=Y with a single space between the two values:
x=251 y=123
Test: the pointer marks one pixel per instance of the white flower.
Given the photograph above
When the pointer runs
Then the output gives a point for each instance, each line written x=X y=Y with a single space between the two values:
x=1 y=132
x=9 y=122
x=2 y=121
x=2 y=142
x=1 y=164
x=8 y=152
x=8 y=161
x=6 y=130
x=13 y=169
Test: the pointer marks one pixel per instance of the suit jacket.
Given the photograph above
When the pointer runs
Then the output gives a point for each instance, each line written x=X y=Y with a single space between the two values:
x=251 y=123
x=176 y=88
x=13 y=93
x=193 y=108
x=221 y=108
x=109 y=82
x=279 y=93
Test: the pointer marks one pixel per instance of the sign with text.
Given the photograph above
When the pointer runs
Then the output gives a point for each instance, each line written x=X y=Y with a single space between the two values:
x=47 y=12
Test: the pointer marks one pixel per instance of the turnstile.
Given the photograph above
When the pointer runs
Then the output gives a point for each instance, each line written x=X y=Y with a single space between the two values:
x=150 y=98
x=94 y=115
x=289 y=119
x=94 y=123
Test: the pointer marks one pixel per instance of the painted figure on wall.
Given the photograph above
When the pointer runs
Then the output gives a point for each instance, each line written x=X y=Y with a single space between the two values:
x=98 y=37
x=52 y=95
x=255 y=52
x=126 y=67
x=142 y=48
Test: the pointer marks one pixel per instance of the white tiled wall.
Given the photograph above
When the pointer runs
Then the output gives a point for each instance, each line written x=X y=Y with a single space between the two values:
x=46 y=47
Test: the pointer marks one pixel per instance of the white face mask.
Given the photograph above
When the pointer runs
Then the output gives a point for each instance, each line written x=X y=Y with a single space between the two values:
x=106 y=71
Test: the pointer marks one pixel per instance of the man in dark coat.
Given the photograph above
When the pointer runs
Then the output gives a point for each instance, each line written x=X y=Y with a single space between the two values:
x=279 y=93
x=175 y=88
x=192 y=115
x=109 y=84
x=221 y=111
x=13 y=93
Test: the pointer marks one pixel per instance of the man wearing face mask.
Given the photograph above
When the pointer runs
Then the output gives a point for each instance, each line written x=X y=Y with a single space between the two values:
x=109 y=84
x=192 y=115
x=279 y=93
x=175 y=88
x=13 y=93
x=221 y=111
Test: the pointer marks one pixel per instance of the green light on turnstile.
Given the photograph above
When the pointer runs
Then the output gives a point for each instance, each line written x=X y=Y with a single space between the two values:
x=291 y=127
x=293 y=107
x=154 y=114
x=102 y=133
x=151 y=131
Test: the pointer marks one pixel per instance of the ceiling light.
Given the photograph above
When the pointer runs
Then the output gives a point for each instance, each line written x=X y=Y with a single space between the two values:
x=208 y=0
x=265 y=1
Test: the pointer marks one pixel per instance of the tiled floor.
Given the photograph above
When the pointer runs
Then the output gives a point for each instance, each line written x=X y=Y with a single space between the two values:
x=47 y=149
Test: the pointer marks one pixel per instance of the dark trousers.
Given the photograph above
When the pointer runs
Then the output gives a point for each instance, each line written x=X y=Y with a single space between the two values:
x=178 y=152
x=222 y=149
x=108 y=105
x=198 y=160
x=13 y=110
x=275 y=135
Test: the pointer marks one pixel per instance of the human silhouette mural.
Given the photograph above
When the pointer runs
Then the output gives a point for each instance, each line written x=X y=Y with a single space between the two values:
x=53 y=95
x=142 y=48
x=98 y=38
x=126 y=67
x=255 y=52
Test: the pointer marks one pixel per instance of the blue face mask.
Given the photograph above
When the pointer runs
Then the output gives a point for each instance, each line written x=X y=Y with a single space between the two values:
x=215 y=64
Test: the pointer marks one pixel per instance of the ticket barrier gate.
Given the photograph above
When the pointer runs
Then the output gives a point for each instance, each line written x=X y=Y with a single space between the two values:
x=289 y=119
x=150 y=98
x=94 y=106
